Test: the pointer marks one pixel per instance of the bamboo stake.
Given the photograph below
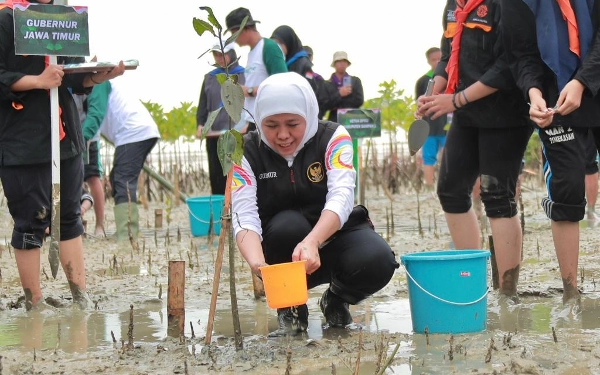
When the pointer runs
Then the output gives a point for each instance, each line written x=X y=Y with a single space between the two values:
x=225 y=227
x=237 y=328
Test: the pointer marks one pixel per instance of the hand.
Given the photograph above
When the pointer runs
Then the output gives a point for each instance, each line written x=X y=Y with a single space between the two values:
x=255 y=267
x=199 y=131
x=51 y=77
x=118 y=70
x=309 y=251
x=420 y=103
x=436 y=105
x=570 y=97
x=345 y=90
x=538 y=110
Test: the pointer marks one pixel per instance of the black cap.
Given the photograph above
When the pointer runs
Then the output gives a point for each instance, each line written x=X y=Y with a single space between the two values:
x=235 y=17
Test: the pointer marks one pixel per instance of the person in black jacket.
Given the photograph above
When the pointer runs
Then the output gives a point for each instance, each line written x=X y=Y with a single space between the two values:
x=554 y=51
x=210 y=100
x=298 y=60
x=488 y=136
x=293 y=199
x=25 y=154
x=349 y=93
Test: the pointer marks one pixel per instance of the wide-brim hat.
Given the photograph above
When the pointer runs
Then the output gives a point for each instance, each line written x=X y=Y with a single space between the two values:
x=235 y=17
x=340 y=55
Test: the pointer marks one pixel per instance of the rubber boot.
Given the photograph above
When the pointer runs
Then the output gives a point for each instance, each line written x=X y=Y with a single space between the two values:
x=291 y=320
x=134 y=224
x=335 y=310
x=122 y=221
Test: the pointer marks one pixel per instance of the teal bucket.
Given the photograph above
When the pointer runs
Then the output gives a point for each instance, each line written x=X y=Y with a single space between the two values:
x=447 y=290
x=200 y=209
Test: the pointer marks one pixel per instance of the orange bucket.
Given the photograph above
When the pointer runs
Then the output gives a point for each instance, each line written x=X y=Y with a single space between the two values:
x=285 y=284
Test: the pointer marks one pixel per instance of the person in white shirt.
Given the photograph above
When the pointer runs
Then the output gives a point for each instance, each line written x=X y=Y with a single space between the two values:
x=126 y=123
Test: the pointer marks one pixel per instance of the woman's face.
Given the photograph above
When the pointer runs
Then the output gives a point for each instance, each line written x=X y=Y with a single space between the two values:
x=221 y=59
x=284 y=131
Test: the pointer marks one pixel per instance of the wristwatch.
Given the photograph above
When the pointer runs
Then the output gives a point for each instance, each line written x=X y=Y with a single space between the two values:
x=250 y=91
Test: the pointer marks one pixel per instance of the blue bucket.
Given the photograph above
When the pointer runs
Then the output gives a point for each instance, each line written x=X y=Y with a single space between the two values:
x=200 y=209
x=447 y=290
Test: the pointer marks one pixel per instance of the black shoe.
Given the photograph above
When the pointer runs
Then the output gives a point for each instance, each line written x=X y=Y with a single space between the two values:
x=335 y=310
x=292 y=320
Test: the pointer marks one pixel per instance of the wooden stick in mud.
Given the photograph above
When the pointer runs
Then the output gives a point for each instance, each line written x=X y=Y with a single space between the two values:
x=237 y=328
x=130 y=330
x=176 y=297
x=225 y=228
x=495 y=276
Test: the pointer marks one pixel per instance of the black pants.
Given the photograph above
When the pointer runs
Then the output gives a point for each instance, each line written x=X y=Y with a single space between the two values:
x=128 y=163
x=565 y=165
x=28 y=191
x=215 y=170
x=495 y=155
x=356 y=263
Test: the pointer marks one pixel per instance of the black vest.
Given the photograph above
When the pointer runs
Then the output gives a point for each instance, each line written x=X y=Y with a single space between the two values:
x=301 y=187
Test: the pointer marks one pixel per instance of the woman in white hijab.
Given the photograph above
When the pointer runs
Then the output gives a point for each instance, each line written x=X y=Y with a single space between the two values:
x=293 y=197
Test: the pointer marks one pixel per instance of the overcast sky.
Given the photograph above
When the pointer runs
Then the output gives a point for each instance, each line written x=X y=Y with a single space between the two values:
x=382 y=43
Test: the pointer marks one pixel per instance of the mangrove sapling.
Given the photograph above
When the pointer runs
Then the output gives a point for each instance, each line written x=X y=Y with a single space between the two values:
x=488 y=356
x=192 y=330
x=390 y=359
x=420 y=226
x=288 y=360
x=387 y=224
x=435 y=228
x=360 y=339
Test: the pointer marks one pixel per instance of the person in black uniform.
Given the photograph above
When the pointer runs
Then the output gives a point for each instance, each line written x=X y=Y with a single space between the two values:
x=488 y=136
x=554 y=53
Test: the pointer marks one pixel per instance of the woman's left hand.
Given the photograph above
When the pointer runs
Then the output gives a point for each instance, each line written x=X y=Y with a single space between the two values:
x=309 y=251
x=437 y=105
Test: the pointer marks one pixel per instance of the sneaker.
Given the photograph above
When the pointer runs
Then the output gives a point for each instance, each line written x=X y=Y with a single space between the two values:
x=335 y=310
x=291 y=320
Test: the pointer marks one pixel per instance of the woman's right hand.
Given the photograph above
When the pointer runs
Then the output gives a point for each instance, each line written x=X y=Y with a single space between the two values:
x=538 y=109
x=51 y=77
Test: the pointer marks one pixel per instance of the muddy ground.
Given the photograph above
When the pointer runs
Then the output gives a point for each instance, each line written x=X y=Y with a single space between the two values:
x=534 y=337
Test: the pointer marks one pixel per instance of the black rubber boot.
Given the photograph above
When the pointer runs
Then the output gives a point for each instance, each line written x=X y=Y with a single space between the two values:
x=291 y=320
x=335 y=310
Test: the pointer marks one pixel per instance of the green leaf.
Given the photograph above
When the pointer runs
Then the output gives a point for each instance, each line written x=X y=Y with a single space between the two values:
x=201 y=26
x=212 y=19
x=210 y=121
x=221 y=78
x=232 y=97
x=229 y=149
x=239 y=148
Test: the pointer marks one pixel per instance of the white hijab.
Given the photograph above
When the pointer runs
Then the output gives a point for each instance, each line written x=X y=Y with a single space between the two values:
x=287 y=93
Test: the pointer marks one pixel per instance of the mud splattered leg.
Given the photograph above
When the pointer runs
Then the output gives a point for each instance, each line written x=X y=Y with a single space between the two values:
x=28 y=263
x=570 y=291
x=510 y=279
x=566 y=242
x=71 y=258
